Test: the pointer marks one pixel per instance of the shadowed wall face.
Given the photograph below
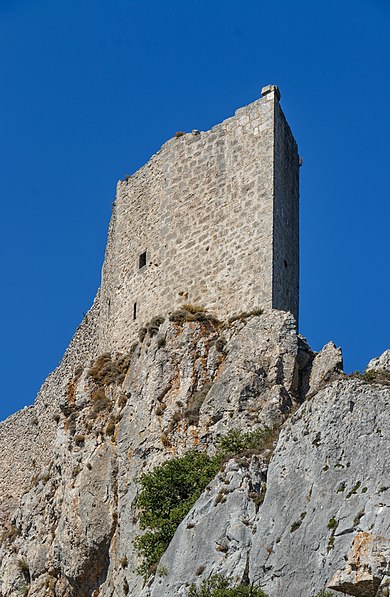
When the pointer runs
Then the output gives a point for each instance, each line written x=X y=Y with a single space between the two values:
x=285 y=274
x=205 y=222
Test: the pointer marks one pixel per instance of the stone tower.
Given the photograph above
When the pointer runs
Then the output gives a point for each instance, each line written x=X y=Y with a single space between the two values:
x=211 y=219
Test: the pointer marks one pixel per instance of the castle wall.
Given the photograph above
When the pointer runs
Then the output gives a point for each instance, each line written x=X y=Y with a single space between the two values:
x=285 y=275
x=26 y=438
x=202 y=209
x=217 y=215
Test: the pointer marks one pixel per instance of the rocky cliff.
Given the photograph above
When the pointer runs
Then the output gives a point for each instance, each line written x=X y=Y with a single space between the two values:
x=297 y=505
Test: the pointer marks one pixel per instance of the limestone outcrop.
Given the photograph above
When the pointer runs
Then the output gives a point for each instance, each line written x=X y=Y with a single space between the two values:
x=309 y=511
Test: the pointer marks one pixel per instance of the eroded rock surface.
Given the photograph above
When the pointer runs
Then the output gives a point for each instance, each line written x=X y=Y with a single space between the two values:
x=216 y=536
x=292 y=523
x=367 y=568
x=382 y=362
x=327 y=483
x=181 y=387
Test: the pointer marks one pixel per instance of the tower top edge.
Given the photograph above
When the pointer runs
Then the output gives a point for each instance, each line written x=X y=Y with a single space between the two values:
x=271 y=89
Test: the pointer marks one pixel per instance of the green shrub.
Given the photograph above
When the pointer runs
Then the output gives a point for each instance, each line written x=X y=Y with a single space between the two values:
x=220 y=586
x=167 y=494
x=354 y=489
x=324 y=593
x=237 y=442
x=170 y=490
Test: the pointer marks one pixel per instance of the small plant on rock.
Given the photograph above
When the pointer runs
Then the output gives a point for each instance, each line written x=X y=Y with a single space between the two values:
x=372 y=376
x=237 y=442
x=220 y=586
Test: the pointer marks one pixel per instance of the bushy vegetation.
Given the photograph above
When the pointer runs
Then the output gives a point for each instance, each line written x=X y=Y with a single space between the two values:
x=237 y=442
x=154 y=325
x=192 y=313
x=220 y=586
x=169 y=491
x=381 y=376
x=167 y=494
x=100 y=402
x=195 y=403
x=106 y=371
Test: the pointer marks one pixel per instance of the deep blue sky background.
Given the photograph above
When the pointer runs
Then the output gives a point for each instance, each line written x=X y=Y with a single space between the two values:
x=90 y=89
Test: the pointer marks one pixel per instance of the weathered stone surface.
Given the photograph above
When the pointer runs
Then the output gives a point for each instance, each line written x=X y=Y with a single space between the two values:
x=217 y=214
x=382 y=362
x=26 y=438
x=326 y=483
x=326 y=366
x=216 y=536
x=186 y=384
x=214 y=216
x=368 y=566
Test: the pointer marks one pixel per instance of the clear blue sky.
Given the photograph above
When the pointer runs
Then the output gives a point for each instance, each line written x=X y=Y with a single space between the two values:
x=90 y=89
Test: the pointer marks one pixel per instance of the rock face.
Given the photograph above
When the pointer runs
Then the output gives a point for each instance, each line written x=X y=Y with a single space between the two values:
x=179 y=388
x=313 y=514
x=216 y=536
x=382 y=362
x=366 y=572
x=326 y=486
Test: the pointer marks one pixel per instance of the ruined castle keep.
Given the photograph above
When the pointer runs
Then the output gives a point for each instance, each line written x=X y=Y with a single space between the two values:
x=294 y=503
x=211 y=219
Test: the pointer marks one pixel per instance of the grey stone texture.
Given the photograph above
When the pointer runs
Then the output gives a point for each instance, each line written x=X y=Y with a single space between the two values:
x=77 y=519
x=217 y=214
x=324 y=523
x=327 y=484
x=382 y=362
x=72 y=532
x=326 y=365
x=216 y=536
x=26 y=437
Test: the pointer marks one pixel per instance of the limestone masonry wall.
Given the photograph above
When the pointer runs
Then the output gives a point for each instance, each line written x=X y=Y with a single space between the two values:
x=26 y=437
x=216 y=214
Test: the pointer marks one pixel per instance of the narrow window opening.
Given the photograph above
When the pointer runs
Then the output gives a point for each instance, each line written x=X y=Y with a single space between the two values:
x=135 y=311
x=285 y=263
x=142 y=260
